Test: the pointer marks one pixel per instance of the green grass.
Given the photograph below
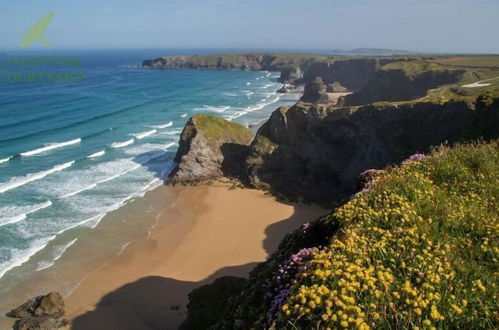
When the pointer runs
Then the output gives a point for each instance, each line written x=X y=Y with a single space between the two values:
x=477 y=61
x=217 y=129
x=413 y=68
x=418 y=248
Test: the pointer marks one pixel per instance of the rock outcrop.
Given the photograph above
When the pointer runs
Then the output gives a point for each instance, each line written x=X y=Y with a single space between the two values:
x=210 y=147
x=315 y=92
x=290 y=65
x=316 y=153
x=41 y=313
x=400 y=81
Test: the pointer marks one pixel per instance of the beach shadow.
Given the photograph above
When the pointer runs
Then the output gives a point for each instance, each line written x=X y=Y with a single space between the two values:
x=152 y=302
x=273 y=233
x=234 y=163
x=158 y=162
x=156 y=302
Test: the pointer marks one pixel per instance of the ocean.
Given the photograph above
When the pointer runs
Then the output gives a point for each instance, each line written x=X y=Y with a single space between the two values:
x=73 y=151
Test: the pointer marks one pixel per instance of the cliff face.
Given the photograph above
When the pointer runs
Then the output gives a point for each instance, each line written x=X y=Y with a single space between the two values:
x=316 y=153
x=353 y=74
x=210 y=147
x=289 y=64
x=401 y=81
x=398 y=239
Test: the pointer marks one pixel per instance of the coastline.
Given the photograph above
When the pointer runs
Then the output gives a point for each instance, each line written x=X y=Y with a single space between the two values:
x=210 y=231
x=188 y=237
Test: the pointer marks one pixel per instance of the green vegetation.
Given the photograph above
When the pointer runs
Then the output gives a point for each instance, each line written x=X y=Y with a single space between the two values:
x=412 y=68
x=418 y=248
x=217 y=129
x=476 y=61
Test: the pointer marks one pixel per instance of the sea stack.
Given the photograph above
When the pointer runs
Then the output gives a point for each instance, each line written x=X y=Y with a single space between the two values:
x=209 y=148
x=315 y=92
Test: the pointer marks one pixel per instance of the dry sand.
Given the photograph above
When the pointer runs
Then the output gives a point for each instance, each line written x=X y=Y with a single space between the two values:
x=210 y=231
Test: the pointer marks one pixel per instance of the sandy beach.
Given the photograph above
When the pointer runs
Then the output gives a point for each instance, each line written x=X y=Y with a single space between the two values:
x=210 y=231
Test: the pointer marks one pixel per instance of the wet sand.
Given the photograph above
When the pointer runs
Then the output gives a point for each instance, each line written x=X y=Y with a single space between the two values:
x=210 y=231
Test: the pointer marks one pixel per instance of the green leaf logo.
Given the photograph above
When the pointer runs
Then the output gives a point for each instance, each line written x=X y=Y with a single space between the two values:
x=37 y=32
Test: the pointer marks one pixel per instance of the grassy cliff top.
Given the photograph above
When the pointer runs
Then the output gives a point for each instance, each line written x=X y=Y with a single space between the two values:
x=417 y=248
x=412 y=68
x=217 y=129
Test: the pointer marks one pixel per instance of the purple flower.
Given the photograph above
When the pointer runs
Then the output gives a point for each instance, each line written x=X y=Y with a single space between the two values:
x=417 y=157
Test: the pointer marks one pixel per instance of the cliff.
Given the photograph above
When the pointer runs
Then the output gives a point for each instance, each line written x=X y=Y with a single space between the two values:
x=399 y=81
x=416 y=248
x=290 y=65
x=315 y=153
x=210 y=147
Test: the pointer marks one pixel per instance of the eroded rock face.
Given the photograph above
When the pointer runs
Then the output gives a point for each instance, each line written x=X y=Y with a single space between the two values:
x=41 y=313
x=315 y=92
x=316 y=153
x=209 y=148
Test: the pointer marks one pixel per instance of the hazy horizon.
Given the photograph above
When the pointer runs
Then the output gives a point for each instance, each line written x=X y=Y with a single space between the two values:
x=446 y=26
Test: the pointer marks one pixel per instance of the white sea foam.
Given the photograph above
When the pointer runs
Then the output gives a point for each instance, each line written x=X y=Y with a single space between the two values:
x=145 y=134
x=170 y=144
x=248 y=83
x=173 y=132
x=90 y=222
x=97 y=154
x=93 y=185
x=168 y=124
x=5 y=160
x=122 y=144
x=94 y=221
x=57 y=253
x=184 y=115
x=229 y=94
x=258 y=106
x=7 y=216
x=50 y=146
x=19 y=257
x=21 y=181
x=212 y=108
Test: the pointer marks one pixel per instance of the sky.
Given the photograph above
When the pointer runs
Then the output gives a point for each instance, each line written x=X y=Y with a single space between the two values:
x=439 y=26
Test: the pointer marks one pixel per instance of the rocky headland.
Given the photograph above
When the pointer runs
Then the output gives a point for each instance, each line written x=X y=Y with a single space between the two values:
x=209 y=148
x=375 y=140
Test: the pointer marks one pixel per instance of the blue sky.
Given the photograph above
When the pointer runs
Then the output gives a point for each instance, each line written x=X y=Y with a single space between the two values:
x=417 y=25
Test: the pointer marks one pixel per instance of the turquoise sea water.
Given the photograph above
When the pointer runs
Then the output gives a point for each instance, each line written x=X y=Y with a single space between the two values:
x=70 y=152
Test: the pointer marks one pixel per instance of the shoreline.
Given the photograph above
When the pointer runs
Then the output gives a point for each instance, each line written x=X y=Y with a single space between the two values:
x=189 y=237
x=210 y=231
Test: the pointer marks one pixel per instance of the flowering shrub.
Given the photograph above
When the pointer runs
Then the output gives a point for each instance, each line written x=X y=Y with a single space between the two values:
x=419 y=250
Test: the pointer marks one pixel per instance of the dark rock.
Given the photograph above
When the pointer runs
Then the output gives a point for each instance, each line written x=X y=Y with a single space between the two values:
x=42 y=323
x=315 y=92
x=282 y=90
x=208 y=303
x=403 y=81
x=51 y=304
x=40 y=313
x=291 y=75
x=209 y=148
x=316 y=154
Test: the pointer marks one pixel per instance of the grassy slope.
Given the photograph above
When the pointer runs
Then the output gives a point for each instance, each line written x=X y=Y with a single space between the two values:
x=217 y=129
x=418 y=248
